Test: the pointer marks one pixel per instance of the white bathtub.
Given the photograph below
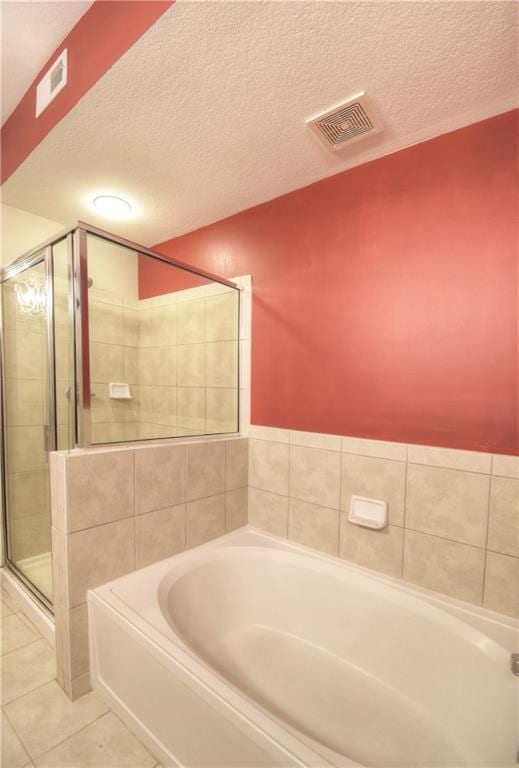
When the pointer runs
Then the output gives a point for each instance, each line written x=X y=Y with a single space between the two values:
x=251 y=651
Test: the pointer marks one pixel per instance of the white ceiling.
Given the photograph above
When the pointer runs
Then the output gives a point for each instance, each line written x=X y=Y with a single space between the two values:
x=31 y=32
x=205 y=115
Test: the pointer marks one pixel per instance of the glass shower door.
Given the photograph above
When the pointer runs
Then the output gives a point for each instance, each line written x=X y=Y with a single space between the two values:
x=29 y=428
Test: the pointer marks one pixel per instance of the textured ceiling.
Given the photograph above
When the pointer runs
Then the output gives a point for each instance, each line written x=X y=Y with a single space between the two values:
x=205 y=115
x=31 y=32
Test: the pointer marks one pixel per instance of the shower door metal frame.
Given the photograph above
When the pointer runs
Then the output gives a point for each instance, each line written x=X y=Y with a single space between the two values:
x=76 y=238
x=42 y=254
x=80 y=283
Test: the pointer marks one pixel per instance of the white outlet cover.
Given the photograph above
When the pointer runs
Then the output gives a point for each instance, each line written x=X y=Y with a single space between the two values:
x=370 y=513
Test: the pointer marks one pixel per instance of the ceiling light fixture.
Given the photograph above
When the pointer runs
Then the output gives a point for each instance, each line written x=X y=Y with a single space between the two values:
x=112 y=207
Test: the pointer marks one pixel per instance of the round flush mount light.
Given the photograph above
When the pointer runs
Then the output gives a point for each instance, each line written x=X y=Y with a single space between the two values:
x=112 y=207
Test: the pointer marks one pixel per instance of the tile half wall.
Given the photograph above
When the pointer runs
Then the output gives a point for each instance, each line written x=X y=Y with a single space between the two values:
x=453 y=515
x=117 y=510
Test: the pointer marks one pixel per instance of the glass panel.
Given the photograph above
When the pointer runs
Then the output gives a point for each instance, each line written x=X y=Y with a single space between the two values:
x=26 y=395
x=63 y=347
x=163 y=348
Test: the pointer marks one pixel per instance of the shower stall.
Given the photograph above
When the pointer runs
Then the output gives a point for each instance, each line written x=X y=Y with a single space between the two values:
x=103 y=341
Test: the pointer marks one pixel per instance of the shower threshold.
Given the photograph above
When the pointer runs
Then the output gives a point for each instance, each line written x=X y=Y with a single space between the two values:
x=38 y=570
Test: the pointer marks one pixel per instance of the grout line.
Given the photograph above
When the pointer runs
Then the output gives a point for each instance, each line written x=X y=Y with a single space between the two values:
x=6 y=715
x=489 y=496
x=404 y=522
x=445 y=538
x=26 y=693
x=341 y=494
x=226 y=491
x=20 y=647
x=289 y=472
x=450 y=469
x=75 y=733
x=186 y=459
x=503 y=554
x=134 y=509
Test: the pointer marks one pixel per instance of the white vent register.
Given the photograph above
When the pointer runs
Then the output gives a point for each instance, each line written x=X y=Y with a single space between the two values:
x=345 y=122
x=51 y=83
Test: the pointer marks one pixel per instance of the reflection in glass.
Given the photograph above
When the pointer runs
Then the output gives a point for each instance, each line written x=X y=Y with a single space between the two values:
x=163 y=348
x=26 y=427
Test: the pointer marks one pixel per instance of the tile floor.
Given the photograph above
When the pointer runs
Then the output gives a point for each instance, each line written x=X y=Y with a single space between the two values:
x=40 y=727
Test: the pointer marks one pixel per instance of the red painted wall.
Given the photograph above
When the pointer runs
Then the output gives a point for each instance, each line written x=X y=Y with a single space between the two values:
x=100 y=37
x=385 y=297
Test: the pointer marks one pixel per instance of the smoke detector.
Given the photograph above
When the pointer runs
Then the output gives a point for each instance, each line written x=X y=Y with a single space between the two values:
x=346 y=122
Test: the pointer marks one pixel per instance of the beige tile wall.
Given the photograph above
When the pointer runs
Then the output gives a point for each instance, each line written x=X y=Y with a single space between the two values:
x=116 y=510
x=188 y=361
x=453 y=515
x=114 y=354
x=178 y=352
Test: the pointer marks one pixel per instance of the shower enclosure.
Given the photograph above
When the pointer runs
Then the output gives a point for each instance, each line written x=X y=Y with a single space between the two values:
x=103 y=341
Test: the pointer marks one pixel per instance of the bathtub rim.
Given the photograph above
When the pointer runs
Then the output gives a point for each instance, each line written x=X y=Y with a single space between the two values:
x=501 y=628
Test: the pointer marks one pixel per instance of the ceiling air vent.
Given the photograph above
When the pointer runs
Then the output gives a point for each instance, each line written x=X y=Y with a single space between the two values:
x=346 y=122
x=54 y=80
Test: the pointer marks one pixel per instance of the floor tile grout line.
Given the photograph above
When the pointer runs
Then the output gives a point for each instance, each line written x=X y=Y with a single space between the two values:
x=20 y=647
x=71 y=735
x=17 y=735
x=26 y=693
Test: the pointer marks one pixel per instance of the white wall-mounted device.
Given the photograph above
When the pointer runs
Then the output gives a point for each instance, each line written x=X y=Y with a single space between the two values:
x=54 y=80
x=370 y=513
x=119 y=391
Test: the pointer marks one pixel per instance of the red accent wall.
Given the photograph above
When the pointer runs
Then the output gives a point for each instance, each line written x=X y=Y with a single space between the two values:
x=100 y=37
x=385 y=297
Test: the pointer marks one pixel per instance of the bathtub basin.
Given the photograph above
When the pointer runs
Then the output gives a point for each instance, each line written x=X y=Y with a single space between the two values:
x=252 y=651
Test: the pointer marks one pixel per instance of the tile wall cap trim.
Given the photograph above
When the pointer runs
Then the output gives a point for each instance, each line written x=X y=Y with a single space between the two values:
x=272 y=434
x=505 y=466
x=450 y=458
x=161 y=442
x=436 y=468
x=375 y=449
x=480 y=462
x=316 y=440
x=243 y=281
